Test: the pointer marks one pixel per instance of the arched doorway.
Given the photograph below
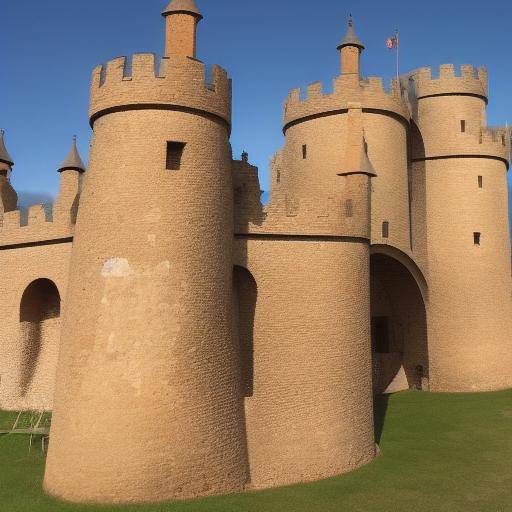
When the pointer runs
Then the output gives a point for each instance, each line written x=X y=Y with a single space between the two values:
x=399 y=323
x=39 y=334
x=245 y=293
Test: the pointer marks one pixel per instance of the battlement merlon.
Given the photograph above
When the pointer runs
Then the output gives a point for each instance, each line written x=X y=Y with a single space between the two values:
x=370 y=93
x=38 y=230
x=178 y=83
x=467 y=80
x=482 y=143
x=490 y=142
x=499 y=140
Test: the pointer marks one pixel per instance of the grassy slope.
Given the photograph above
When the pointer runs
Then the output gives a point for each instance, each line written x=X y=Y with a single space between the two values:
x=441 y=453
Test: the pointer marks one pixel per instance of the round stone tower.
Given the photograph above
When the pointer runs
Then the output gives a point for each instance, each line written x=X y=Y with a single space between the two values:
x=148 y=404
x=316 y=126
x=464 y=167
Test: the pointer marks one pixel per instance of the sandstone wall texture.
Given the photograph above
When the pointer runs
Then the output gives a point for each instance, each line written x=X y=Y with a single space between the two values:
x=149 y=318
x=463 y=166
x=320 y=124
x=34 y=269
x=309 y=405
x=33 y=282
x=192 y=341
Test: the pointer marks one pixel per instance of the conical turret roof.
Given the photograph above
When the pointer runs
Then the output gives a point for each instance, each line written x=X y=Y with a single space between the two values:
x=183 y=6
x=358 y=161
x=4 y=154
x=366 y=166
x=73 y=162
x=351 y=38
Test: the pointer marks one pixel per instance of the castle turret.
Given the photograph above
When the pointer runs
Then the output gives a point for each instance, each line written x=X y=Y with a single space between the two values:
x=311 y=336
x=350 y=51
x=181 y=19
x=148 y=402
x=316 y=122
x=462 y=166
x=357 y=174
x=8 y=196
x=70 y=171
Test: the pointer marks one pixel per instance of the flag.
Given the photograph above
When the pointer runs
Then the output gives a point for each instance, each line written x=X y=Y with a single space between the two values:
x=392 y=42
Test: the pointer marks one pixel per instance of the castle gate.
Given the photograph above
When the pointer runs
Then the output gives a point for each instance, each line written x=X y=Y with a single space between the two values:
x=399 y=322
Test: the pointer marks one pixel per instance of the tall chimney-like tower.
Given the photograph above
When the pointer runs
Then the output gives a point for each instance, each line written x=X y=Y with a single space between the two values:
x=350 y=51
x=181 y=19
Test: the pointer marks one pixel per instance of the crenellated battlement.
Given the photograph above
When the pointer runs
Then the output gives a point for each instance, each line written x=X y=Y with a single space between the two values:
x=40 y=226
x=466 y=80
x=494 y=142
x=480 y=142
x=370 y=92
x=174 y=81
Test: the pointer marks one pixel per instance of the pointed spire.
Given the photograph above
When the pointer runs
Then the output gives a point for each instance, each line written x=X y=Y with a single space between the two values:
x=4 y=154
x=351 y=38
x=363 y=165
x=183 y=7
x=366 y=166
x=73 y=162
x=356 y=156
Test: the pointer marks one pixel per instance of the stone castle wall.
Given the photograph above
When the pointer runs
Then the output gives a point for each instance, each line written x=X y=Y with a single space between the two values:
x=32 y=253
x=233 y=345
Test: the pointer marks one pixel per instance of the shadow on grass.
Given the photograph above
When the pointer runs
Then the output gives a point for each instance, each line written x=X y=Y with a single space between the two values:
x=380 y=407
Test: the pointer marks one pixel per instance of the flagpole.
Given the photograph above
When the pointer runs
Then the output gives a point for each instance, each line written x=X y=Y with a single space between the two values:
x=397 y=57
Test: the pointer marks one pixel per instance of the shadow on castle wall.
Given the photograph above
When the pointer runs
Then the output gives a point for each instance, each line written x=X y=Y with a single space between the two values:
x=380 y=408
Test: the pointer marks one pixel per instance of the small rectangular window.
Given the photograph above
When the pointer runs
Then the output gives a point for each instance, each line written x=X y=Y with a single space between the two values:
x=304 y=152
x=480 y=182
x=174 y=155
x=349 y=208
x=477 y=238
x=385 y=229
x=380 y=335
x=463 y=126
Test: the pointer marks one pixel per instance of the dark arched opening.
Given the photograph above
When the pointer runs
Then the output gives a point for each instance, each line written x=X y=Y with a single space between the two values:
x=245 y=293
x=39 y=323
x=399 y=326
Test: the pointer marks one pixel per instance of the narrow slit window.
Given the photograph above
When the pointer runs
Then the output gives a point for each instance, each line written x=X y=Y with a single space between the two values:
x=349 y=208
x=174 y=155
x=463 y=126
x=480 y=182
x=304 y=152
x=477 y=238
x=385 y=229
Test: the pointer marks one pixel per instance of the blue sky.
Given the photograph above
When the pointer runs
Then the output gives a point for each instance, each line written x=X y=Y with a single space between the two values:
x=49 y=48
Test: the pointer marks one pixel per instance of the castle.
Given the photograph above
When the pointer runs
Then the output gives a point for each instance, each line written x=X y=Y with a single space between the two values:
x=191 y=341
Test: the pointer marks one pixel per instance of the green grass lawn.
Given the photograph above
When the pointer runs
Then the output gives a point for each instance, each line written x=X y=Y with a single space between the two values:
x=440 y=453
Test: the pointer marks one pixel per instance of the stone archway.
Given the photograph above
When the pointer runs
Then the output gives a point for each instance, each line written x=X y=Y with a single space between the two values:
x=399 y=323
x=39 y=335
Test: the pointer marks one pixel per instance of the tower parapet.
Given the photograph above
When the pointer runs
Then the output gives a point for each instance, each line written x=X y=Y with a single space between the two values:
x=370 y=93
x=179 y=83
x=450 y=112
x=468 y=80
